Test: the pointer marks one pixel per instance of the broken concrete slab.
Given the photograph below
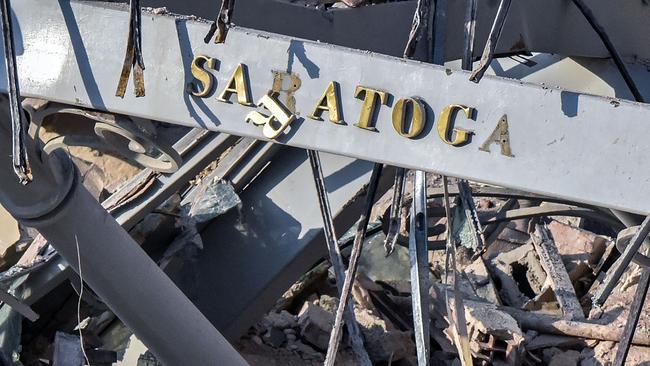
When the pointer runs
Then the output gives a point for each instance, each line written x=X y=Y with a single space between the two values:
x=519 y=274
x=281 y=320
x=487 y=319
x=489 y=329
x=577 y=245
x=481 y=281
x=315 y=325
x=382 y=343
x=274 y=337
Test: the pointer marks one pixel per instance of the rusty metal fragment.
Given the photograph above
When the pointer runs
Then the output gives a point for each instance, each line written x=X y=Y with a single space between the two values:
x=335 y=257
x=493 y=39
x=133 y=57
x=357 y=246
x=222 y=23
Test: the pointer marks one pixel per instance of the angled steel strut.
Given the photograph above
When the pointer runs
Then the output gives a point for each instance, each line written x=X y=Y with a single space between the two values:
x=357 y=246
x=335 y=258
x=493 y=39
x=221 y=24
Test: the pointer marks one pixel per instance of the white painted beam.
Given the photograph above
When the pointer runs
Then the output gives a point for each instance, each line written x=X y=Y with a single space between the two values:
x=580 y=147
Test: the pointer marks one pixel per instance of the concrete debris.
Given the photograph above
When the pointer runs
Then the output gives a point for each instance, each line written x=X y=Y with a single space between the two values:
x=281 y=320
x=315 y=325
x=274 y=337
x=9 y=234
x=512 y=311
x=383 y=343
x=481 y=281
x=212 y=199
x=520 y=274
x=577 y=245
x=489 y=320
x=557 y=275
x=556 y=357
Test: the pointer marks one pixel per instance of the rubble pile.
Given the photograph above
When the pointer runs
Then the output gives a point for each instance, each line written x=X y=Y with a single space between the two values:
x=523 y=280
x=517 y=311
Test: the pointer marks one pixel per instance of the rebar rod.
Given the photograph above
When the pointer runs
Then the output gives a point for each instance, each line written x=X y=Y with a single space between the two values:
x=591 y=18
x=335 y=257
x=357 y=247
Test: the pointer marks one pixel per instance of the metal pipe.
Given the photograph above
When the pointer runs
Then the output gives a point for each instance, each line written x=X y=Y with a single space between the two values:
x=132 y=285
x=419 y=261
x=112 y=263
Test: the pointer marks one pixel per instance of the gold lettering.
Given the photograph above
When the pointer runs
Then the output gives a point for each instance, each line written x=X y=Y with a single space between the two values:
x=238 y=84
x=329 y=102
x=444 y=125
x=287 y=83
x=369 y=105
x=279 y=115
x=501 y=136
x=418 y=117
x=202 y=75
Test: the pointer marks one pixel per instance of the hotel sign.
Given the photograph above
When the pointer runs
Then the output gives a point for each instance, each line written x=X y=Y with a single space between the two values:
x=408 y=116
x=348 y=102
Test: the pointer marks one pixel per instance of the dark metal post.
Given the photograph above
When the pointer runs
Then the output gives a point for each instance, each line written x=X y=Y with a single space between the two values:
x=111 y=262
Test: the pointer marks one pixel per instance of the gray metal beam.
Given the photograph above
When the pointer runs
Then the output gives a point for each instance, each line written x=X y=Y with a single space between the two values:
x=555 y=131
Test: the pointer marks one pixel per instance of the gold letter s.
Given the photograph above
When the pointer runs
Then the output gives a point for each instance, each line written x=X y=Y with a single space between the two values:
x=202 y=75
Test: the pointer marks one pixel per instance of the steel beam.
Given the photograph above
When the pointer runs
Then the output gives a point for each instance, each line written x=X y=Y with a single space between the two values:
x=556 y=131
